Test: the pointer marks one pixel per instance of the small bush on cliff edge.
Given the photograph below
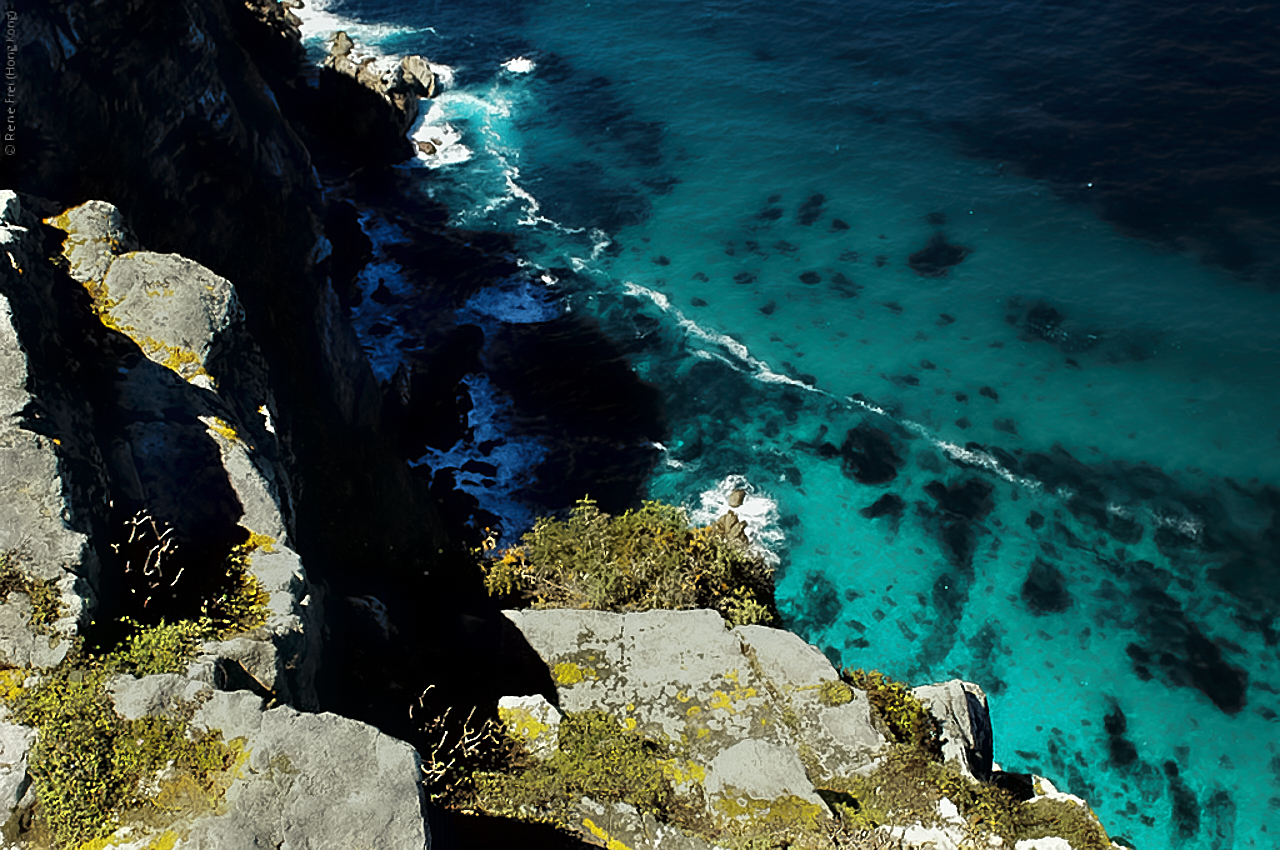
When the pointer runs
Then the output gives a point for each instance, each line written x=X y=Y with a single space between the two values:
x=906 y=787
x=644 y=559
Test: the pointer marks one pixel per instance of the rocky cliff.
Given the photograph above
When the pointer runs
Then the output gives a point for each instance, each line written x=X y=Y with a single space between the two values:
x=192 y=434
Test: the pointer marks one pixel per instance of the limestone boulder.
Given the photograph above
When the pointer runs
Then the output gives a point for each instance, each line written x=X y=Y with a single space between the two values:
x=745 y=703
x=15 y=747
x=312 y=781
x=961 y=709
x=400 y=84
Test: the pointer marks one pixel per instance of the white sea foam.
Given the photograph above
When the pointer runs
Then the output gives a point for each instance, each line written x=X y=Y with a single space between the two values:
x=759 y=512
x=318 y=24
x=513 y=458
x=433 y=128
x=519 y=65
x=759 y=369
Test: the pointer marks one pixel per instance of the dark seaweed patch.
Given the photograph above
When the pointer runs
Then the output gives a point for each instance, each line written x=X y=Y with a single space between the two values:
x=1045 y=589
x=888 y=505
x=1186 y=809
x=869 y=455
x=811 y=209
x=816 y=607
x=971 y=500
x=844 y=286
x=936 y=258
x=810 y=278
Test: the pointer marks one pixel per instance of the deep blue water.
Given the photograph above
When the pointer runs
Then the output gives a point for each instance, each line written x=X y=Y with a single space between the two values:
x=977 y=299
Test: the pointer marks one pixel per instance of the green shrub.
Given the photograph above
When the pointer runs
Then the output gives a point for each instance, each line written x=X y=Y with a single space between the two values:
x=645 y=559
x=906 y=718
x=596 y=757
x=90 y=766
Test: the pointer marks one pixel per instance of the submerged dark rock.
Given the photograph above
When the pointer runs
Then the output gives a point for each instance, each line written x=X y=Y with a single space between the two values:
x=811 y=209
x=1045 y=589
x=889 y=505
x=970 y=500
x=810 y=278
x=841 y=284
x=870 y=455
x=936 y=258
x=1186 y=808
x=1175 y=649
x=1120 y=750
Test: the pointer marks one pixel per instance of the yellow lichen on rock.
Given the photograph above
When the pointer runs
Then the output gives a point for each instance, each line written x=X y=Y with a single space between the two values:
x=609 y=842
x=523 y=724
x=567 y=674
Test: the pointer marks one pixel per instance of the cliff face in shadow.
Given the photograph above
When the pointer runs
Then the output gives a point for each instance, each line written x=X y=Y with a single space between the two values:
x=198 y=120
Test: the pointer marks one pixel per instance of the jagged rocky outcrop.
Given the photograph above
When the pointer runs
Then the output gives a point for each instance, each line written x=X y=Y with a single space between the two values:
x=304 y=780
x=132 y=388
x=761 y=718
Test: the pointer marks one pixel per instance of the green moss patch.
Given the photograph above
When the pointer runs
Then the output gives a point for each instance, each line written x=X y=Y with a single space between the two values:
x=644 y=559
x=46 y=602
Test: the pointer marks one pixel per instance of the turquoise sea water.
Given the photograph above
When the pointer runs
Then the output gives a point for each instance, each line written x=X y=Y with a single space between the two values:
x=1045 y=458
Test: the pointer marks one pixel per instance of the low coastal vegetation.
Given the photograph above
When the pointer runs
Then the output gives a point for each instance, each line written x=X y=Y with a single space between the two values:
x=912 y=779
x=644 y=559
x=651 y=558
x=94 y=771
